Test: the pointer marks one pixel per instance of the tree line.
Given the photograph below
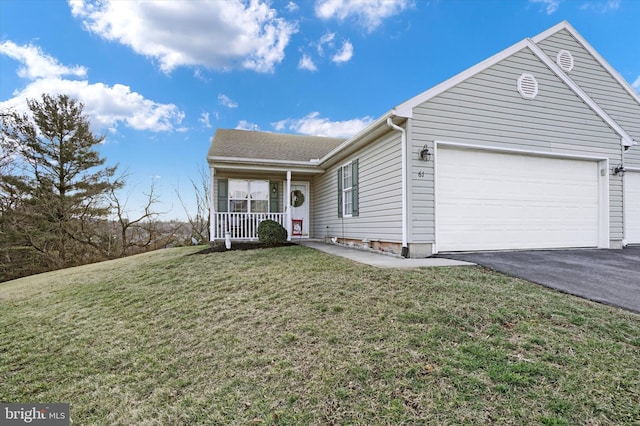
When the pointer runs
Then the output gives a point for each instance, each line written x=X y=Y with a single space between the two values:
x=60 y=205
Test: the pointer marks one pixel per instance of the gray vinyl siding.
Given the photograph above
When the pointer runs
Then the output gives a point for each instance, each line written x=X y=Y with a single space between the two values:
x=420 y=184
x=487 y=110
x=380 y=198
x=594 y=79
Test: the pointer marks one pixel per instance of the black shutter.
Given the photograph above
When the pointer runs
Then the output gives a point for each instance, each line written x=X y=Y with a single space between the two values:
x=340 y=192
x=223 y=198
x=355 y=196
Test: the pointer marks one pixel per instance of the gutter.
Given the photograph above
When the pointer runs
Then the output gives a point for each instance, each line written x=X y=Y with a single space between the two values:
x=362 y=134
x=403 y=143
x=220 y=159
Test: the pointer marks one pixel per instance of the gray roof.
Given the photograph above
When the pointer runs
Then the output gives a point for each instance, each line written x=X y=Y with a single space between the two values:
x=270 y=146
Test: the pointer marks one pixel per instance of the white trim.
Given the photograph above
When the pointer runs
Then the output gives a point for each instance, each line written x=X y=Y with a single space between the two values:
x=603 y=181
x=348 y=164
x=532 y=152
x=604 y=205
x=287 y=205
x=306 y=222
x=625 y=206
x=264 y=168
x=213 y=203
x=362 y=134
x=626 y=139
x=403 y=156
x=405 y=109
x=564 y=25
x=434 y=243
x=261 y=161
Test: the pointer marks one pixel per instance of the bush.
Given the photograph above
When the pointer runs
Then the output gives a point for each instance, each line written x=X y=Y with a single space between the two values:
x=271 y=233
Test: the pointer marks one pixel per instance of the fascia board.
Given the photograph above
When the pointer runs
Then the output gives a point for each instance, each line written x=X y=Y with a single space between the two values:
x=627 y=140
x=265 y=168
x=360 y=137
x=405 y=109
x=241 y=163
x=214 y=158
x=564 y=25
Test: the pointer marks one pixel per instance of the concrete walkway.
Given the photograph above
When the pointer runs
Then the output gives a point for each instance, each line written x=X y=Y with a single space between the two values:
x=379 y=260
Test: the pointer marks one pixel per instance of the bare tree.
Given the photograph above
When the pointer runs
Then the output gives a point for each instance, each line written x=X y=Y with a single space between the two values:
x=200 y=220
x=143 y=232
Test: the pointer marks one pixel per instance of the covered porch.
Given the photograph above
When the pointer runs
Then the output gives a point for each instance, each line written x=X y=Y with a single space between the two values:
x=243 y=226
x=242 y=199
x=257 y=176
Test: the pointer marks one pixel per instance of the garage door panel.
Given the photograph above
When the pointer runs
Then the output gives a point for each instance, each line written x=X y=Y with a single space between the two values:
x=492 y=201
x=632 y=207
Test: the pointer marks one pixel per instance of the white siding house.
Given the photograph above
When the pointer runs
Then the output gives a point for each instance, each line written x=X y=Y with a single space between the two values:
x=531 y=148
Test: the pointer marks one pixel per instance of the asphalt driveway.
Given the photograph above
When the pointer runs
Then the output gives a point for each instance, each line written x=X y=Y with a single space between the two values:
x=606 y=276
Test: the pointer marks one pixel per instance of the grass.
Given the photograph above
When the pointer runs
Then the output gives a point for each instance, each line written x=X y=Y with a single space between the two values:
x=294 y=336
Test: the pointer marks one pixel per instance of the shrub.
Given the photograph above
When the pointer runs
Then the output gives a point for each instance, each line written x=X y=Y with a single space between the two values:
x=271 y=232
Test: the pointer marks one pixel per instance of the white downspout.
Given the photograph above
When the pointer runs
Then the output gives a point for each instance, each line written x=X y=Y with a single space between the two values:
x=624 y=216
x=287 y=203
x=403 y=142
x=212 y=205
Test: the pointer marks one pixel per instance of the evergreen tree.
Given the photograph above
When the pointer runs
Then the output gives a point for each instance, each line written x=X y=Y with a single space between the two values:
x=59 y=179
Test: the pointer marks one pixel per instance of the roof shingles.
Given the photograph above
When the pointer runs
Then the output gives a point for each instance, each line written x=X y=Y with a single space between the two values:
x=272 y=146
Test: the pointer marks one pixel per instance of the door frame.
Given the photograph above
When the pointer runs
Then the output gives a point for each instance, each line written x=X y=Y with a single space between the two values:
x=305 y=220
x=625 y=196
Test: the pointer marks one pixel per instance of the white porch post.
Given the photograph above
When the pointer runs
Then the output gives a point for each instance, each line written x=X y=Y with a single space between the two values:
x=287 y=203
x=212 y=205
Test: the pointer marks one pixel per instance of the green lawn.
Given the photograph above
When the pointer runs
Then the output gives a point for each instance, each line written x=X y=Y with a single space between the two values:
x=294 y=336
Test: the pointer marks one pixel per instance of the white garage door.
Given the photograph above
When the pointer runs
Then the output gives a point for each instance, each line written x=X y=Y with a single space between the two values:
x=494 y=201
x=632 y=207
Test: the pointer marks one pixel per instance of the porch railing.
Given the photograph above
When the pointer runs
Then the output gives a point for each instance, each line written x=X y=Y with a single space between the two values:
x=242 y=226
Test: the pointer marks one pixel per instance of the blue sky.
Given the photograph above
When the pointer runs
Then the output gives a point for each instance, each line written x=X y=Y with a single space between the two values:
x=159 y=77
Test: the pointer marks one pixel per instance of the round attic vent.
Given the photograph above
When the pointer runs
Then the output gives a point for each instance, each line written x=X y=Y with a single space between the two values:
x=564 y=59
x=527 y=86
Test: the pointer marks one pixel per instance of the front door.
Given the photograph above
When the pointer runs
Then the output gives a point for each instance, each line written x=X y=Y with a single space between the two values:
x=299 y=199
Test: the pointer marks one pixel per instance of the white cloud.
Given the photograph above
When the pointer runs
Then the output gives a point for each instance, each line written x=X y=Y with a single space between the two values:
x=306 y=63
x=204 y=119
x=551 y=6
x=106 y=106
x=292 y=7
x=370 y=13
x=226 y=101
x=636 y=84
x=315 y=125
x=245 y=125
x=37 y=64
x=326 y=45
x=601 y=6
x=344 y=54
x=326 y=39
x=210 y=33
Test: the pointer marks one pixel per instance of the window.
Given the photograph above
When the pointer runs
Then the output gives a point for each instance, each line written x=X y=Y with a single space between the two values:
x=347 y=197
x=248 y=196
x=348 y=203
